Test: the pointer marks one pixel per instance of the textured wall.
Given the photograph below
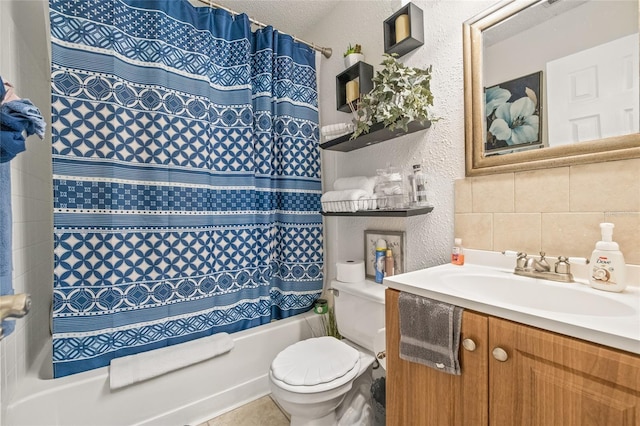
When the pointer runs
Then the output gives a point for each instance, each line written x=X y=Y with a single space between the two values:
x=25 y=63
x=440 y=149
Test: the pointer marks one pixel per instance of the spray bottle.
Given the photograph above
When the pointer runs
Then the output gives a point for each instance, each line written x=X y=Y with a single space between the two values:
x=381 y=249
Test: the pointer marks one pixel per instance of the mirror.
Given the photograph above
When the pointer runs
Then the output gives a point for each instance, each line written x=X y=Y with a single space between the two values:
x=550 y=83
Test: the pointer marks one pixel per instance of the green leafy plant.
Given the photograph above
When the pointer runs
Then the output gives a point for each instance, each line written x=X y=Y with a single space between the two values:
x=353 y=49
x=330 y=324
x=400 y=95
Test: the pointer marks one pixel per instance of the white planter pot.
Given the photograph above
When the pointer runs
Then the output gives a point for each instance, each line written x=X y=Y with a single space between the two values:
x=352 y=59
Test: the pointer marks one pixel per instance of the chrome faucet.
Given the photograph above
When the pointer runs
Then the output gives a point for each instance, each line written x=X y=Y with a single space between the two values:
x=540 y=268
x=534 y=265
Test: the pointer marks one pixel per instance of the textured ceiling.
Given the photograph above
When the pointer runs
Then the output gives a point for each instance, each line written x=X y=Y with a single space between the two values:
x=293 y=17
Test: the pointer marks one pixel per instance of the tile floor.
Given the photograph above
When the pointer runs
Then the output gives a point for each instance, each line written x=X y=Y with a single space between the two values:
x=261 y=412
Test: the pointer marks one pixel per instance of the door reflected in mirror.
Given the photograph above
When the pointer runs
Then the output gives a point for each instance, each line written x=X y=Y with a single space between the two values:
x=551 y=82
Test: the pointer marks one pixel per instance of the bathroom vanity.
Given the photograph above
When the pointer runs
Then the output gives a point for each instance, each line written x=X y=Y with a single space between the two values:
x=519 y=368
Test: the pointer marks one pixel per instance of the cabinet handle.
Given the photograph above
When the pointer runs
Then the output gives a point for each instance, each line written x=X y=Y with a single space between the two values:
x=500 y=354
x=469 y=345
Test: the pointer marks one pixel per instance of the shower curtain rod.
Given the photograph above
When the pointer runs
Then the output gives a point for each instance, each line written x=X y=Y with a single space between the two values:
x=326 y=51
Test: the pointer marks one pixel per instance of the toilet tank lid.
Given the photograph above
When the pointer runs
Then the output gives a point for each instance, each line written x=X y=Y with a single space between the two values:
x=366 y=289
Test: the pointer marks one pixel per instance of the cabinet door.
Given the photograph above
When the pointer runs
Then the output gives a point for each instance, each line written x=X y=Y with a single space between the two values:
x=421 y=396
x=550 y=379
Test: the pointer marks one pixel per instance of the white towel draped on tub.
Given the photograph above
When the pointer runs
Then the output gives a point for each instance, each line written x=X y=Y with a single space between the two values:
x=131 y=369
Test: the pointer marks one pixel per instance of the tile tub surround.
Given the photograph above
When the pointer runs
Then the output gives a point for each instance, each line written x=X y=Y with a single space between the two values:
x=557 y=210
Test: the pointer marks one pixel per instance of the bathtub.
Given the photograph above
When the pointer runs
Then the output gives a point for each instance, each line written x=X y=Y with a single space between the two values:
x=188 y=396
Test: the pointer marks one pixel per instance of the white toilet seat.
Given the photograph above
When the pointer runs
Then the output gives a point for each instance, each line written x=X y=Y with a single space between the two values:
x=315 y=365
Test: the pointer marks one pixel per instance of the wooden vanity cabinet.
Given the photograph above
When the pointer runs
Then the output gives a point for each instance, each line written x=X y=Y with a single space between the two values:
x=547 y=379
x=551 y=379
x=421 y=396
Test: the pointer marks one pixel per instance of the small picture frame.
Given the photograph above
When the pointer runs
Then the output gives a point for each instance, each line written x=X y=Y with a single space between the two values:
x=395 y=241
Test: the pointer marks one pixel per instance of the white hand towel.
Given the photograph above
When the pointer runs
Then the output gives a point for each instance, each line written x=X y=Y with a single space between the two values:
x=131 y=369
x=365 y=183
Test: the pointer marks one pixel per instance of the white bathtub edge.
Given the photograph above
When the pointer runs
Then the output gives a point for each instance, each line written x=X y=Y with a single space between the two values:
x=220 y=403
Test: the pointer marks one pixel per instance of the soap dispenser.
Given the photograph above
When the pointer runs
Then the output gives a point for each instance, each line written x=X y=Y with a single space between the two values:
x=607 y=263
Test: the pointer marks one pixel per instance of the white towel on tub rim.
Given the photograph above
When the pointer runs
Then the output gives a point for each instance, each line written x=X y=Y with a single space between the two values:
x=131 y=369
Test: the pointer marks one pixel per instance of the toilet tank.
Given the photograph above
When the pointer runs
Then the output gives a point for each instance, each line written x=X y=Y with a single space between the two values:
x=359 y=309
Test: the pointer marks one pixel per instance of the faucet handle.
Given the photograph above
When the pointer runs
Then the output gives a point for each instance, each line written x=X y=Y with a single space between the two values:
x=521 y=261
x=562 y=266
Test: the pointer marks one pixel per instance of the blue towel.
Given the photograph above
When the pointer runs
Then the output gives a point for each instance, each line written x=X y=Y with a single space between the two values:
x=22 y=115
x=11 y=144
x=6 y=266
x=16 y=118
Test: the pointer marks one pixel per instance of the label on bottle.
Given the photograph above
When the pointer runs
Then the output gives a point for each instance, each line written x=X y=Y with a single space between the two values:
x=603 y=271
x=456 y=255
x=379 y=265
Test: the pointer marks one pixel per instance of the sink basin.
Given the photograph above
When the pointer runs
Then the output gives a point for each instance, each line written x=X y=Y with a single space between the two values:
x=572 y=299
x=572 y=309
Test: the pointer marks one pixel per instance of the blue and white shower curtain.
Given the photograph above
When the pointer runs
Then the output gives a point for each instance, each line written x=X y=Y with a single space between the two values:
x=186 y=177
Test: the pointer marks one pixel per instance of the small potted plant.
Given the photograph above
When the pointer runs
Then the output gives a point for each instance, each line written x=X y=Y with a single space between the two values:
x=353 y=55
x=400 y=95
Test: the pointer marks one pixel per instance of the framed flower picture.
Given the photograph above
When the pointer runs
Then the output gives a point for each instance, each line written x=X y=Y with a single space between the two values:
x=513 y=111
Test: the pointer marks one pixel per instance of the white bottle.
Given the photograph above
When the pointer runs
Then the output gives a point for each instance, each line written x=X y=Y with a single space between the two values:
x=607 y=267
x=420 y=181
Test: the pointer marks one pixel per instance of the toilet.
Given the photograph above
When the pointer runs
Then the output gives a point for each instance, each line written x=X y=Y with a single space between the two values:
x=311 y=378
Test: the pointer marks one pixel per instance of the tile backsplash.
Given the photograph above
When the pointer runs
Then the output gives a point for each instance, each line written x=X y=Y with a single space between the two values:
x=557 y=211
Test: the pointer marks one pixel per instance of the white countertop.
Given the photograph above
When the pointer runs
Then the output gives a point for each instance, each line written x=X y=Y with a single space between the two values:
x=614 y=322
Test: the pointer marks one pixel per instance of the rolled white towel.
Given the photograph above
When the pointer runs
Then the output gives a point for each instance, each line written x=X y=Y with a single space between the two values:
x=343 y=201
x=365 y=183
x=335 y=135
x=332 y=129
x=131 y=369
x=343 y=195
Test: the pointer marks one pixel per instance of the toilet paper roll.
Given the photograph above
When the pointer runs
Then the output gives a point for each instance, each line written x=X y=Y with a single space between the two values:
x=350 y=271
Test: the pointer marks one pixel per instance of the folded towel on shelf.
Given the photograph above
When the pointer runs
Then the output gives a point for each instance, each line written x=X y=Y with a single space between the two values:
x=348 y=200
x=131 y=369
x=332 y=129
x=365 y=183
x=430 y=332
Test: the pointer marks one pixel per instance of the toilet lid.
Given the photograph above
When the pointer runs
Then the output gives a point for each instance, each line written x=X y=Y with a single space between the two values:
x=314 y=361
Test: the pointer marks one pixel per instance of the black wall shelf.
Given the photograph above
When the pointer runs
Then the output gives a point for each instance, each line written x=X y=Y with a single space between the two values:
x=361 y=71
x=416 y=31
x=378 y=133
x=415 y=211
